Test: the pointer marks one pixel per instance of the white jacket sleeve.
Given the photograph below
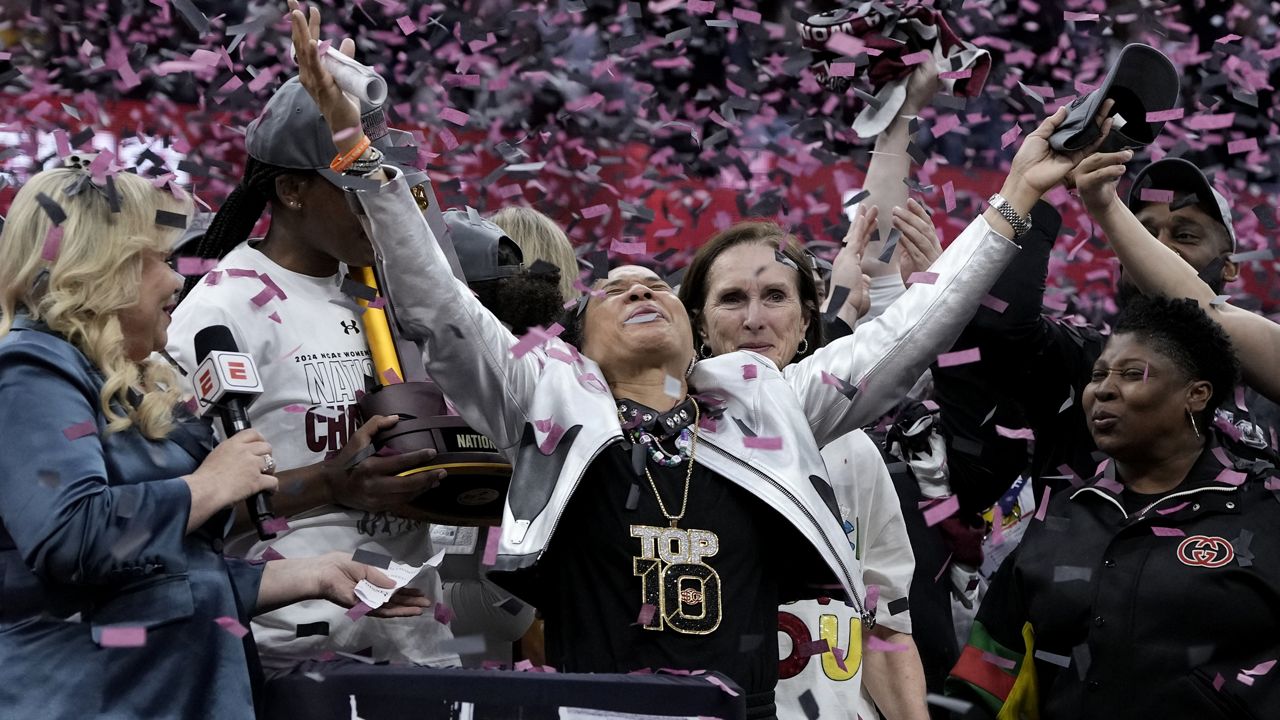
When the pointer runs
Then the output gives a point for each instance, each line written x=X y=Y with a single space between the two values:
x=883 y=358
x=466 y=349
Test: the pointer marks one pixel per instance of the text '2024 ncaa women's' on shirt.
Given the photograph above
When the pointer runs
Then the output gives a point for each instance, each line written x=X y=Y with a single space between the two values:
x=312 y=357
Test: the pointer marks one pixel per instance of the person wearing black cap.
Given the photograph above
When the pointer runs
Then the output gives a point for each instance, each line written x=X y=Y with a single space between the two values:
x=494 y=267
x=1153 y=244
x=282 y=299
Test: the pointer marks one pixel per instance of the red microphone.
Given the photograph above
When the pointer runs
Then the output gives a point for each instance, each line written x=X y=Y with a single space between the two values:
x=227 y=380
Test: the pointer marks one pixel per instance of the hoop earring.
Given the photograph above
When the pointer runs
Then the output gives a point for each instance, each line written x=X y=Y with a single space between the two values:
x=804 y=346
x=689 y=370
x=1192 y=418
x=704 y=351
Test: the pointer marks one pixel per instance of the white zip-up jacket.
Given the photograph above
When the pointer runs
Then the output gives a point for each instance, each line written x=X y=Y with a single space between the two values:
x=517 y=402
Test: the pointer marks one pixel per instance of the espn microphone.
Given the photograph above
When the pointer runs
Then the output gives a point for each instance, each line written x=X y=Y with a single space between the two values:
x=228 y=380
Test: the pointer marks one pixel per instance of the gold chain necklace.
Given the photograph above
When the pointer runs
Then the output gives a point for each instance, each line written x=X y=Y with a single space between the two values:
x=688 y=475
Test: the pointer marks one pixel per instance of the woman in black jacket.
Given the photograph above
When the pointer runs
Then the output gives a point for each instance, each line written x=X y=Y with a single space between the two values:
x=1149 y=591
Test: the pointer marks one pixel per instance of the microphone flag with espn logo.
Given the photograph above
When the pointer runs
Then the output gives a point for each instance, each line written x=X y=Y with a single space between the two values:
x=225 y=373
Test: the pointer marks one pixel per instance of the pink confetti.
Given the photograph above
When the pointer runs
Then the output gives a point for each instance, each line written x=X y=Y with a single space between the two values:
x=955 y=74
x=391 y=376
x=721 y=684
x=1210 y=122
x=276 y=525
x=944 y=125
x=1231 y=477
x=443 y=613
x=1172 y=508
x=491 y=546
x=875 y=643
x=594 y=211
x=554 y=433
x=1079 y=16
x=994 y=303
x=924 y=278
x=52 y=244
x=839 y=655
x=762 y=443
x=749 y=371
x=195 y=266
x=1166 y=531
x=232 y=626
x=264 y=296
x=813 y=647
x=1044 y=504
x=275 y=318
x=123 y=637
x=700 y=7
x=1015 y=433
x=1242 y=146
x=455 y=116
x=1002 y=663
x=645 y=617
x=1010 y=136
x=1156 y=196
x=536 y=337
x=1218 y=681
x=358 y=611
x=81 y=429
x=949 y=196
x=746 y=16
x=295 y=408
x=628 y=248
x=960 y=357
x=272 y=554
x=916 y=58
x=873 y=598
x=1165 y=115
x=1261 y=668
x=940 y=511
x=406 y=24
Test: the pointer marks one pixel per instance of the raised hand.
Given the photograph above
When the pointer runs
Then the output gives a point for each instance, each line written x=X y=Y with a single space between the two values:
x=1038 y=167
x=1096 y=177
x=846 y=269
x=918 y=246
x=922 y=85
x=374 y=483
x=340 y=111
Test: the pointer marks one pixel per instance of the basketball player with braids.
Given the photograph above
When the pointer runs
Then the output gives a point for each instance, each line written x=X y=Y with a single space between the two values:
x=282 y=298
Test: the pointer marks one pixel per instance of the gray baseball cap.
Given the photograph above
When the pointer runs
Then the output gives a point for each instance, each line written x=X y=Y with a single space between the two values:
x=1184 y=179
x=291 y=132
x=477 y=240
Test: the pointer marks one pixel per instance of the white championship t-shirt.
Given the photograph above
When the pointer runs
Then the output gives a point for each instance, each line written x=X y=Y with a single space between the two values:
x=864 y=491
x=309 y=346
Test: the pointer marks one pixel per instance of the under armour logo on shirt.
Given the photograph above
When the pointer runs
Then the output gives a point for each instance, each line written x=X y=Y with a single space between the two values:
x=349 y=326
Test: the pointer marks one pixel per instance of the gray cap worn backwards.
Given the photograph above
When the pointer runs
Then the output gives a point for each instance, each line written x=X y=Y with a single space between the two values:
x=291 y=132
x=477 y=241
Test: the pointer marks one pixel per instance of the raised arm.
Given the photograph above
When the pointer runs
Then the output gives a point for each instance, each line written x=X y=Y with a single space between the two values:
x=467 y=350
x=886 y=356
x=890 y=164
x=1155 y=268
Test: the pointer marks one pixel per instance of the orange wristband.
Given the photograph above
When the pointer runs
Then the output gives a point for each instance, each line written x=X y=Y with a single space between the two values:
x=344 y=160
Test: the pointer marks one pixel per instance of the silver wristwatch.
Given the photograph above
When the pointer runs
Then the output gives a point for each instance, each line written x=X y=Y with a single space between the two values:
x=1021 y=225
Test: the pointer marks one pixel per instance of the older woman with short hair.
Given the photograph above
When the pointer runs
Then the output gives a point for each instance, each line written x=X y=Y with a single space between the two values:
x=116 y=600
